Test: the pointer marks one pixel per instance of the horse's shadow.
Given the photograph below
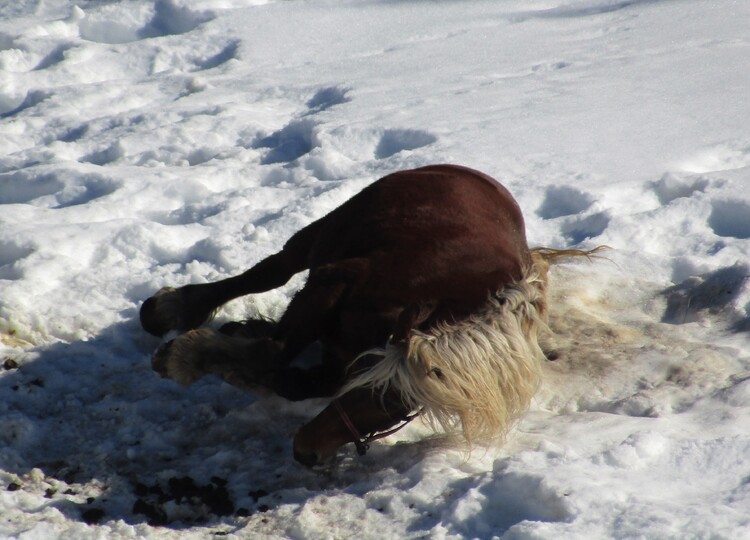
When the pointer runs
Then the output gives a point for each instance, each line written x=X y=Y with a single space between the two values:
x=93 y=430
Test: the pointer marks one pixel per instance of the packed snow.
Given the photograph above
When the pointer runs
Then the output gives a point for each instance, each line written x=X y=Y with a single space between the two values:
x=146 y=143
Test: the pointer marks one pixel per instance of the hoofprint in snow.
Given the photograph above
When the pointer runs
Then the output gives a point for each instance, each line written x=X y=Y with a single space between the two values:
x=153 y=143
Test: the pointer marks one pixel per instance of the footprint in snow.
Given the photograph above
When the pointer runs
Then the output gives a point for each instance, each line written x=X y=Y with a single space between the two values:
x=11 y=105
x=54 y=190
x=54 y=57
x=393 y=141
x=723 y=157
x=570 y=203
x=578 y=229
x=730 y=218
x=227 y=53
x=562 y=201
x=22 y=187
x=105 y=156
x=292 y=141
x=171 y=18
x=73 y=134
x=114 y=24
x=86 y=188
x=327 y=97
x=10 y=254
x=670 y=187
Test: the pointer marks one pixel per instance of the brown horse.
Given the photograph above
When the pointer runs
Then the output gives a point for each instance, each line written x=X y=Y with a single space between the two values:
x=423 y=294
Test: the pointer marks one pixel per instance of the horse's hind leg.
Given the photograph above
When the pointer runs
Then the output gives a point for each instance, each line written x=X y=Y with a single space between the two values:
x=190 y=306
x=247 y=363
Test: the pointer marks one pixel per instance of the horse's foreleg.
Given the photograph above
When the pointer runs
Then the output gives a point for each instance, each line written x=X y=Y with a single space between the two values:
x=249 y=364
x=242 y=362
x=246 y=363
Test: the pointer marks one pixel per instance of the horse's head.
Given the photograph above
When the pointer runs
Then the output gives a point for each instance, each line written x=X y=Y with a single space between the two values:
x=351 y=417
x=478 y=374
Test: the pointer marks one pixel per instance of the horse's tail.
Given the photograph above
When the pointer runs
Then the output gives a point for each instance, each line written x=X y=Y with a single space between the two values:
x=478 y=374
x=542 y=258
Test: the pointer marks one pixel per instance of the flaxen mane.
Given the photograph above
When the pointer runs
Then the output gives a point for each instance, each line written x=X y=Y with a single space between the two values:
x=477 y=375
x=480 y=374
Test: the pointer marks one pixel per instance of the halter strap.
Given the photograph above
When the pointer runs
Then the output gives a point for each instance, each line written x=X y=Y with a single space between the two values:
x=363 y=443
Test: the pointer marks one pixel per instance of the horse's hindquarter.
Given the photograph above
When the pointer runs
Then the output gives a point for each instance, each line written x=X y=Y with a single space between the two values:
x=441 y=233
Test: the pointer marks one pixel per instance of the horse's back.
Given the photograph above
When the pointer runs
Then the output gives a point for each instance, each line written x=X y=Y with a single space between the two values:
x=438 y=232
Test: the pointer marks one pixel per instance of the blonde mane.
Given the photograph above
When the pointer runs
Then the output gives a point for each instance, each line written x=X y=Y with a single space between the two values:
x=477 y=375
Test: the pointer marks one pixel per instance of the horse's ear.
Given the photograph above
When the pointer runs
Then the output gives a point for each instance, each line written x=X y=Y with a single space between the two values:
x=411 y=317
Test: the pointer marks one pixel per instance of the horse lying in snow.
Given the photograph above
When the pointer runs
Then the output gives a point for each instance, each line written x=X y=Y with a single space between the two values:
x=423 y=294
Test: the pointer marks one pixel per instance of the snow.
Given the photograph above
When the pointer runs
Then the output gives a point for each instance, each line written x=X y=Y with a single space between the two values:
x=148 y=143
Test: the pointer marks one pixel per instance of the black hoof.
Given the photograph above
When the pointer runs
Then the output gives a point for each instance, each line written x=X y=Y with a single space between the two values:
x=149 y=320
x=306 y=459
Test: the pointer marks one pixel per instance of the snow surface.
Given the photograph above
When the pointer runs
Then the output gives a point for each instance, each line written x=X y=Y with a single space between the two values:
x=152 y=143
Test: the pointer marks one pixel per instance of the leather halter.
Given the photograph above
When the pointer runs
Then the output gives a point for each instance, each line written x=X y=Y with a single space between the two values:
x=363 y=443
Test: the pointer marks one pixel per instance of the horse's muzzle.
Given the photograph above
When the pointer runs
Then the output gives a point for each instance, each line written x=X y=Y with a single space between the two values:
x=310 y=450
x=308 y=459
